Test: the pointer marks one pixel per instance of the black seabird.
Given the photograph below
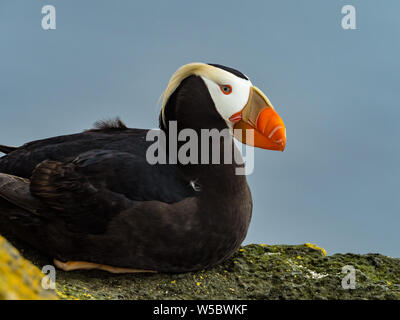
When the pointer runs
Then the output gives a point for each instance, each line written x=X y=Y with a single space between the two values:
x=93 y=200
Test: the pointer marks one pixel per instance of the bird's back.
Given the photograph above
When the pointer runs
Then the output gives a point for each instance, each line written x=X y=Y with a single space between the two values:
x=22 y=161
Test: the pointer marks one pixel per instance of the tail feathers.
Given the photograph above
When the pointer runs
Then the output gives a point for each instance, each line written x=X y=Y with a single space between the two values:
x=7 y=149
x=16 y=190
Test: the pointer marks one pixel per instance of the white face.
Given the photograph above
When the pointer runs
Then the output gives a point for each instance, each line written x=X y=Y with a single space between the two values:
x=230 y=94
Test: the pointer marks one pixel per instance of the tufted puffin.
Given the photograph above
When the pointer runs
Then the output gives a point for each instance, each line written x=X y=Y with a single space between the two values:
x=92 y=200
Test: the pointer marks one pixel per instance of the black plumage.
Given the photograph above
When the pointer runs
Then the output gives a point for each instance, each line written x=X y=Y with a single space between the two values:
x=93 y=197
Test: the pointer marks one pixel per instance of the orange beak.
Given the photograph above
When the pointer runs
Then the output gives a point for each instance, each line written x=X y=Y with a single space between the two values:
x=258 y=124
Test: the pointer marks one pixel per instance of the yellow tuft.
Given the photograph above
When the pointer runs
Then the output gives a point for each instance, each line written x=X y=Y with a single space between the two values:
x=315 y=247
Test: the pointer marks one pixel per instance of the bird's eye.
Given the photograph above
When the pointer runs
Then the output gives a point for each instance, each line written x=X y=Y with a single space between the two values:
x=225 y=88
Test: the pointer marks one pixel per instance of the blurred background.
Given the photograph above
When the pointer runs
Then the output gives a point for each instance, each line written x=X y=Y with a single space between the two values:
x=336 y=184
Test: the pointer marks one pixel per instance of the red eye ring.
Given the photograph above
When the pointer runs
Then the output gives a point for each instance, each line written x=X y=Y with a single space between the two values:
x=225 y=88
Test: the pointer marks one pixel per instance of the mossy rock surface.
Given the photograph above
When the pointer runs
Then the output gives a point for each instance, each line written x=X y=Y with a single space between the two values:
x=20 y=279
x=254 y=272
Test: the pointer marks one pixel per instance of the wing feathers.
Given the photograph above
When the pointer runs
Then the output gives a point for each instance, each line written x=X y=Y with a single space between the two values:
x=60 y=186
x=74 y=199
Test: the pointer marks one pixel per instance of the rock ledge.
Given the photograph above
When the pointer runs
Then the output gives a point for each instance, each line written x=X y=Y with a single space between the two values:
x=254 y=272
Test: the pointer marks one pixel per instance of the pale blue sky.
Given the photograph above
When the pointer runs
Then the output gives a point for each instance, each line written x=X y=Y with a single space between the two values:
x=337 y=183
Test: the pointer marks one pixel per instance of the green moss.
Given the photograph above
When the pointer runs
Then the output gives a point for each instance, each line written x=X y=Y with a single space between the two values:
x=254 y=272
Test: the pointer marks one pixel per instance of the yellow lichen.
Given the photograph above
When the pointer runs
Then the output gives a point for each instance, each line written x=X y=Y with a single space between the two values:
x=20 y=280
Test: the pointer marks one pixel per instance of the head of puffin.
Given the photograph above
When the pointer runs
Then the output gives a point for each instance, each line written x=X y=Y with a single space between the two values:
x=211 y=96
